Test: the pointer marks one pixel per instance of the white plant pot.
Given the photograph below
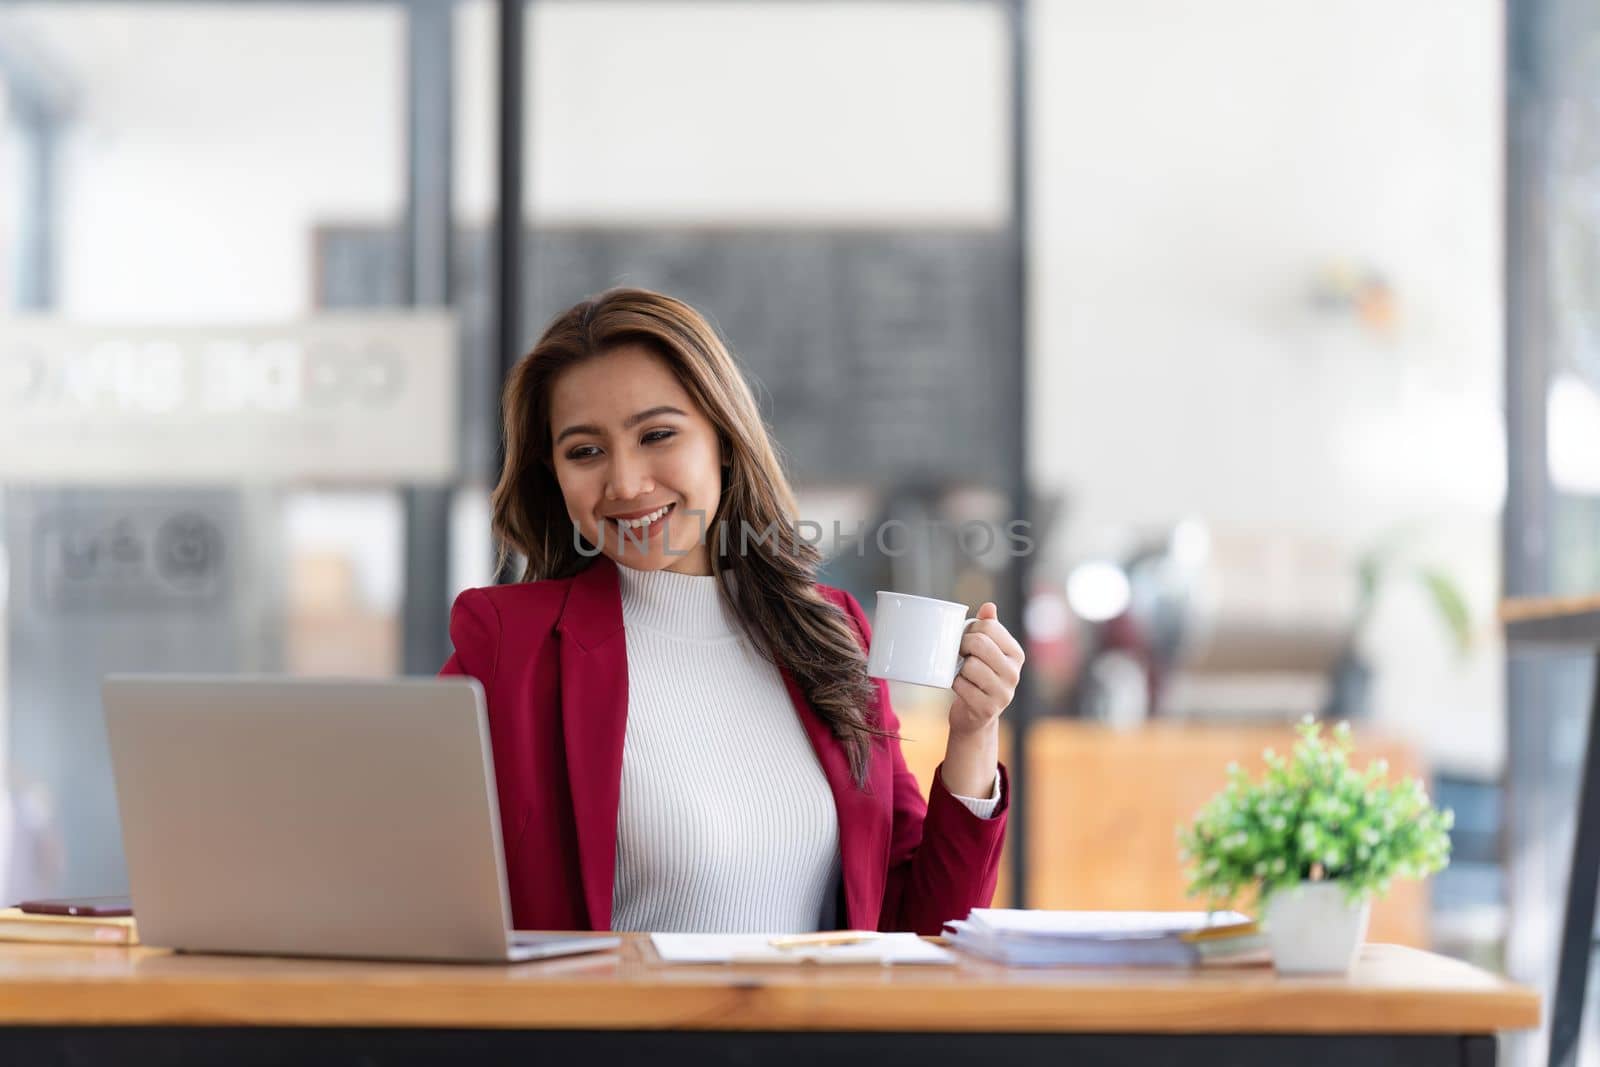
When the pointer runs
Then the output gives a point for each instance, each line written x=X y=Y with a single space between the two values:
x=1313 y=930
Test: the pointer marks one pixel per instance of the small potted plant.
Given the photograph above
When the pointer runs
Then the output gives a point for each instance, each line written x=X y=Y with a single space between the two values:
x=1315 y=841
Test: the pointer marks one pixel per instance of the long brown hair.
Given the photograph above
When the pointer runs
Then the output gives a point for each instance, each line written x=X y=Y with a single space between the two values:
x=772 y=589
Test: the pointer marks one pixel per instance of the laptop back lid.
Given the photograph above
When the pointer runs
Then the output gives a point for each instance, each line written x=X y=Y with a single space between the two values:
x=310 y=817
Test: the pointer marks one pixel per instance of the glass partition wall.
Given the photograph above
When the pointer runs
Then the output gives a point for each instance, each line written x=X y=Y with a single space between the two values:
x=201 y=468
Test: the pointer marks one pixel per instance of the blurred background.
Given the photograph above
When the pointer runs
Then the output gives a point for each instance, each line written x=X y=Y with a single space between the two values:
x=1274 y=320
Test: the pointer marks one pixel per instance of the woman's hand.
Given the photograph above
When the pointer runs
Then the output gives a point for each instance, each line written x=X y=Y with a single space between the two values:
x=984 y=688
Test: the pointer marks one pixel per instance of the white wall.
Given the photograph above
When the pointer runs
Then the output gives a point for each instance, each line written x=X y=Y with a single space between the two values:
x=879 y=113
x=1194 y=166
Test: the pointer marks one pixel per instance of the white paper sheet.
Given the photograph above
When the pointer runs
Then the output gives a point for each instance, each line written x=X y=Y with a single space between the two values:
x=757 y=948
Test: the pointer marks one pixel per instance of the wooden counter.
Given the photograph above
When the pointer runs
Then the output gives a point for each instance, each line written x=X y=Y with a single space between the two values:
x=1523 y=609
x=1572 y=621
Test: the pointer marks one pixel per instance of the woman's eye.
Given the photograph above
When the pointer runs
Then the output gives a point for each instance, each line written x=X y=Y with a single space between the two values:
x=651 y=438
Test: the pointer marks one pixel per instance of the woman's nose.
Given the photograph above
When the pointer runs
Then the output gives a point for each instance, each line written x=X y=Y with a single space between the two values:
x=629 y=479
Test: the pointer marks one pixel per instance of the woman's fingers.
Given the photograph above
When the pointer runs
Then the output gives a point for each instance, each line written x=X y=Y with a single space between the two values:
x=988 y=678
x=984 y=677
x=992 y=629
x=979 y=705
x=981 y=648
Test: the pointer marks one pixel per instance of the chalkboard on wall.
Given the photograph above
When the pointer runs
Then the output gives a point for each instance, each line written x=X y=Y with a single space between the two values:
x=875 y=355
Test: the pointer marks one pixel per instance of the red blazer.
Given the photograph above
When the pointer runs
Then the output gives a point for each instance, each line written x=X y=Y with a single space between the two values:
x=553 y=662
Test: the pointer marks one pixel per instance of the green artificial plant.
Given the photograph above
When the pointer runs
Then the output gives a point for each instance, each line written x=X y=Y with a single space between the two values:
x=1314 y=818
x=1443 y=592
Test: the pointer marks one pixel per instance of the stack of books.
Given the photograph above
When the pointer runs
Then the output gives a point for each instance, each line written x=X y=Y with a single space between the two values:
x=1109 y=938
x=18 y=925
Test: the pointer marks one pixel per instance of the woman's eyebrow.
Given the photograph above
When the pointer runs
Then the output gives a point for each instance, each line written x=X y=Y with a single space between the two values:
x=627 y=424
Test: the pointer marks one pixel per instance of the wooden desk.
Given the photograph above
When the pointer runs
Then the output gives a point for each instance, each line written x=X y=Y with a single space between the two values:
x=116 y=1005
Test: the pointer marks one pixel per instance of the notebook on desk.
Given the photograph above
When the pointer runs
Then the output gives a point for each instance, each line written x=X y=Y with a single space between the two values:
x=18 y=925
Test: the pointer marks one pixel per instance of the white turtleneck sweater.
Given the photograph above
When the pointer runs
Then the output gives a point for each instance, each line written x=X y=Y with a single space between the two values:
x=725 y=821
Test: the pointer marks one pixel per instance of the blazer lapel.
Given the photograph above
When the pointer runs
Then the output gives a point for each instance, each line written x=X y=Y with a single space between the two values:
x=594 y=721
x=863 y=818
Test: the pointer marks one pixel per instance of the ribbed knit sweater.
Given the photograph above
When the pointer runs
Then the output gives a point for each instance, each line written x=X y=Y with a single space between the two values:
x=725 y=822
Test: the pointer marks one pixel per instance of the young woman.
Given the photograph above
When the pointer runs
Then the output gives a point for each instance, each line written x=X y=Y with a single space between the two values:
x=685 y=736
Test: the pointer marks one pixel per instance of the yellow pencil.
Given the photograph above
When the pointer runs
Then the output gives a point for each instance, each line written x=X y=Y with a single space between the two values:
x=829 y=937
x=1216 y=933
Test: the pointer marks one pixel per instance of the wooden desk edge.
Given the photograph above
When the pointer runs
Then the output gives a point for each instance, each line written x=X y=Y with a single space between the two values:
x=712 y=999
x=793 y=1011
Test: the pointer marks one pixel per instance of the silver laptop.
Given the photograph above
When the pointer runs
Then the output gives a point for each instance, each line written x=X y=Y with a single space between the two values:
x=315 y=818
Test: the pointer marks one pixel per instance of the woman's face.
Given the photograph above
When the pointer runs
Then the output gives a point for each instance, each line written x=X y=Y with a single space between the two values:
x=627 y=440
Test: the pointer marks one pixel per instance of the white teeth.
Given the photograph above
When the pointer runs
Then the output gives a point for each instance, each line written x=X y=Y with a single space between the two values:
x=645 y=520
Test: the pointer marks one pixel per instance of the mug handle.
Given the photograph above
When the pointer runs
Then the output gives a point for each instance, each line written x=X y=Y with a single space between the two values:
x=961 y=659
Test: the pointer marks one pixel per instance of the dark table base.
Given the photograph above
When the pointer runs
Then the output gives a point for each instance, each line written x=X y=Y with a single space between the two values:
x=246 y=1047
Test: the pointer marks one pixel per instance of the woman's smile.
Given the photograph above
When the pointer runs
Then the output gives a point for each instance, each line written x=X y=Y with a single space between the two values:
x=646 y=524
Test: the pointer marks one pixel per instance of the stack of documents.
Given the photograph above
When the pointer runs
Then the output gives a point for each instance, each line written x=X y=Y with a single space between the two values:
x=1106 y=938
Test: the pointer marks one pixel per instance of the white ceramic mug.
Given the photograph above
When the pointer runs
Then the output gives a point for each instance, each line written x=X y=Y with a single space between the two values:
x=917 y=639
